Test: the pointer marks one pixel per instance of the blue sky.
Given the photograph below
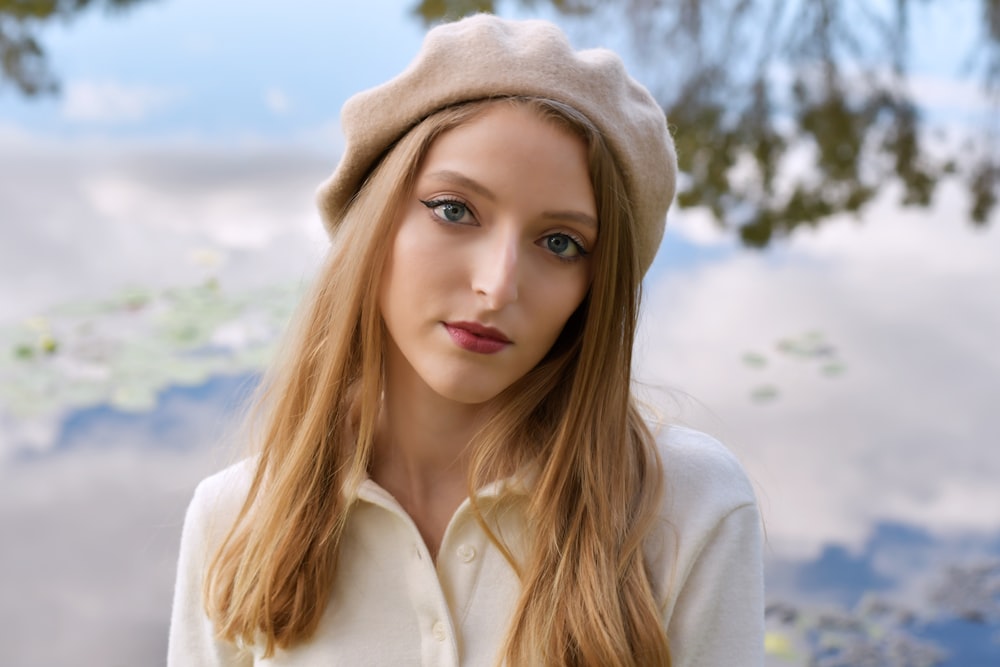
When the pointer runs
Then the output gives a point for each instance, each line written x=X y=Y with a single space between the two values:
x=230 y=70
x=221 y=68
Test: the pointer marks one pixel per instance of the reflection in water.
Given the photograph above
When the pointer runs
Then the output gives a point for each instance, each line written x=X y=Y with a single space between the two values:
x=810 y=348
x=22 y=55
x=124 y=351
x=790 y=112
x=905 y=599
x=853 y=369
x=787 y=112
x=93 y=526
x=902 y=595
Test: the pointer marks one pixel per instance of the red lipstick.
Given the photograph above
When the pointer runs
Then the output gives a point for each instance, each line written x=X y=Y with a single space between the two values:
x=476 y=337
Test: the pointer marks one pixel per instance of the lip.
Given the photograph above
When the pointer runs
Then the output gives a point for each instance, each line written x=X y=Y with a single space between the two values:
x=476 y=337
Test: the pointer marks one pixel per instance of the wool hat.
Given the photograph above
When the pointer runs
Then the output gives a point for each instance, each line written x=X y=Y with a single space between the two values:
x=484 y=56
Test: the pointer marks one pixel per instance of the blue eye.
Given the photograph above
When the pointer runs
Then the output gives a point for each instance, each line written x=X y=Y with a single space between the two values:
x=563 y=245
x=447 y=210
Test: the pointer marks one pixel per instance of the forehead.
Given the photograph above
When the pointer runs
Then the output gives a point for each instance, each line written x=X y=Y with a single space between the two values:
x=511 y=148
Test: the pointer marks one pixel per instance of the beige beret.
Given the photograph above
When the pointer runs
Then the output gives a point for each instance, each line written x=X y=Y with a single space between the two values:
x=485 y=56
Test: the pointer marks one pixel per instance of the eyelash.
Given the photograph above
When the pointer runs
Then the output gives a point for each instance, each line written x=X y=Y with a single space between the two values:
x=581 y=251
x=436 y=203
x=432 y=204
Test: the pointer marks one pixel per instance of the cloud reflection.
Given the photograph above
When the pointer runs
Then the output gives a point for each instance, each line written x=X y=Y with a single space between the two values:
x=902 y=433
x=83 y=218
x=93 y=528
x=907 y=431
x=110 y=102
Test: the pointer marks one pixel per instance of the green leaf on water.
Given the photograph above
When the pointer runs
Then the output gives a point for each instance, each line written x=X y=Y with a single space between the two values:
x=24 y=352
x=833 y=369
x=764 y=393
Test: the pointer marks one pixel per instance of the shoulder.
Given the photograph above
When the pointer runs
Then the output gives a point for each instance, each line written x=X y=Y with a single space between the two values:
x=231 y=481
x=216 y=502
x=706 y=555
x=697 y=467
x=705 y=486
x=227 y=488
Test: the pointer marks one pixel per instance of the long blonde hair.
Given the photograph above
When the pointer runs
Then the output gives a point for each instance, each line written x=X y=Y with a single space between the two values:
x=587 y=597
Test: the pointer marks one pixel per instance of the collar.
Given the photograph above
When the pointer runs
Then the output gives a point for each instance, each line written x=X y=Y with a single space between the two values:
x=520 y=484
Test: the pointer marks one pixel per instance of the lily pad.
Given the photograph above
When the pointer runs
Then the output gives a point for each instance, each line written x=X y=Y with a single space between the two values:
x=125 y=350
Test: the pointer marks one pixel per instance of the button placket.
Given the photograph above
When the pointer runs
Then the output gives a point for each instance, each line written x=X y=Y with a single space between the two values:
x=439 y=632
x=466 y=553
x=437 y=643
x=459 y=566
x=438 y=640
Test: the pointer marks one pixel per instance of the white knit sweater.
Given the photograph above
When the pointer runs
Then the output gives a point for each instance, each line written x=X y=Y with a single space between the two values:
x=393 y=605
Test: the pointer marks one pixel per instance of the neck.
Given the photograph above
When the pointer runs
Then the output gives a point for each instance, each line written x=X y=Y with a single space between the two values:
x=422 y=438
x=422 y=452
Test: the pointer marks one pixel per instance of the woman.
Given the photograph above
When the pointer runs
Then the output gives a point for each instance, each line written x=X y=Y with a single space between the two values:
x=452 y=469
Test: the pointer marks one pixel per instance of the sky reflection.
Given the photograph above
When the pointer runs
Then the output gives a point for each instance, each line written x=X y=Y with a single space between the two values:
x=199 y=162
x=908 y=431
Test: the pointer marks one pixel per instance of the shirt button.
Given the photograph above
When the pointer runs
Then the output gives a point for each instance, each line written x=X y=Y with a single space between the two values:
x=466 y=553
x=439 y=632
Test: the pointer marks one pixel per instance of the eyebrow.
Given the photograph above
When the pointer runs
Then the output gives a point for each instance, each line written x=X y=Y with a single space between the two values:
x=480 y=189
x=572 y=216
x=464 y=181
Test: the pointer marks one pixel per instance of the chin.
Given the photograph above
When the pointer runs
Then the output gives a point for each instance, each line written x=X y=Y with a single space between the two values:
x=466 y=397
x=467 y=393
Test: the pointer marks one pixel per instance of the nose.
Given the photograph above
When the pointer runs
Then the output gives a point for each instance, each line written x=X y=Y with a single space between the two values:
x=496 y=270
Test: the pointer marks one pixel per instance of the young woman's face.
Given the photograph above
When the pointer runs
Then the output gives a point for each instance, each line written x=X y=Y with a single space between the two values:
x=490 y=255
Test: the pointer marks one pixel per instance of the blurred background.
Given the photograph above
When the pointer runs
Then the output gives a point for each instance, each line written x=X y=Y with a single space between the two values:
x=826 y=301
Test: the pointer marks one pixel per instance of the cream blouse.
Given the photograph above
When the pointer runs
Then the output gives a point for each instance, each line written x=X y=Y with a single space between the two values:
x=393 y=605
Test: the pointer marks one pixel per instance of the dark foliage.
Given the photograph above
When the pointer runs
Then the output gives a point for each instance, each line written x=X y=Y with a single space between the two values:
x=21 y=54
x=787 y=113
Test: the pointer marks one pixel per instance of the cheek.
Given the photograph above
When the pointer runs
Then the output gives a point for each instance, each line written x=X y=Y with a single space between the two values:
x=419 y=270
x=405 y=258
x=554 y=306
x=417 y=252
